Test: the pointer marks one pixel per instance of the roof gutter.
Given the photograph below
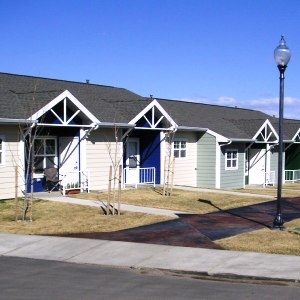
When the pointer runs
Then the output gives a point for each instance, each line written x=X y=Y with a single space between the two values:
x=119 y=125
x=243 y=140
x=6 y=121
x=238 y=140
x=187 y=128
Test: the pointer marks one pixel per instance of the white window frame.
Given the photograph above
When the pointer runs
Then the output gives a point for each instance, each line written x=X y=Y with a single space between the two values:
x=180 y=141
x=231 y=159
x=2 y=151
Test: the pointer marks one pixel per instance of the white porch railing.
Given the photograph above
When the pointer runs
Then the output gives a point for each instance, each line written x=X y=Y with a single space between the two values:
x=292 y=175
x=138 y=176
x=270 y=178
x=75 y=180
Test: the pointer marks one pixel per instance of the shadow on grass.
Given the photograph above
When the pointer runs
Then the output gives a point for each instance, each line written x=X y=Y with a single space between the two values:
x=208 y=202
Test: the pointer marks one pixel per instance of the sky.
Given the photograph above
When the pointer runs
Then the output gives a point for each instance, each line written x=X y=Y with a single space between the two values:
x=209 y=51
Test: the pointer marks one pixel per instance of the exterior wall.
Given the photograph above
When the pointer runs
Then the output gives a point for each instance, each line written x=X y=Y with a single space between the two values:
x=274 y=164
x=206 y=161
x=12 y=158
x=232 y=179
x=100 y=147
x=185 y=169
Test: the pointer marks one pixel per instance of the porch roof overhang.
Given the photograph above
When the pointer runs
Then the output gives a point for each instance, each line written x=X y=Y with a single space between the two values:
x=242 y=140
x=187 y=128
x=8 y=121
x=113 y=125
x=291 y=141
x=260 y=142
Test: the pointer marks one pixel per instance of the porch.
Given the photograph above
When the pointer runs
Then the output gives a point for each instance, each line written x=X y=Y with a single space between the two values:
x=136 y=176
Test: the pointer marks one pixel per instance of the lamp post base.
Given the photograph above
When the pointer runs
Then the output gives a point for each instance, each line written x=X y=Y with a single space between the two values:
x=278 y=222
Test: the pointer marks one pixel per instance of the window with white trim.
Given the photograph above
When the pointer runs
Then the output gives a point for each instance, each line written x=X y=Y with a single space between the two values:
x=45 y=153
x=1 y=151
x=179 y=149
x=231 y=160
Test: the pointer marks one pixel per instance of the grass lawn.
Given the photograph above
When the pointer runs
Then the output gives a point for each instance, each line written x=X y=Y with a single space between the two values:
x=58 y=218
x=181 y=200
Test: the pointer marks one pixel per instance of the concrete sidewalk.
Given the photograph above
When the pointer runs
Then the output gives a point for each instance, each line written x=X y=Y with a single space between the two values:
x=58 y=197
x=195 y=261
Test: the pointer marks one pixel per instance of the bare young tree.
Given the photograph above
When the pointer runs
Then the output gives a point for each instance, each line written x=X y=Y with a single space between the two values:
x=116 y=155
x=28 y=132
x=169 y=165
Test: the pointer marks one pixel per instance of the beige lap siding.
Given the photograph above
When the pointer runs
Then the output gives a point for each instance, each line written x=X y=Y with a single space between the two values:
x=98 y=159
x=185 y=172
x=10 y=160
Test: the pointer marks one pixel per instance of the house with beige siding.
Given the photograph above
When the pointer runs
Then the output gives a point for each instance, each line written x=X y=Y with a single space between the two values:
x=82 y=129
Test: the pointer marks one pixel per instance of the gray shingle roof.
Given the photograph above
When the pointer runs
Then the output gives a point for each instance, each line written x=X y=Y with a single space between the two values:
x=230 y=122
x=21 y=96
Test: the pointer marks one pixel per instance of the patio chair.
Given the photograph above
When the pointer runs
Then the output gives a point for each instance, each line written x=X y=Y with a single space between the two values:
x=53 y=183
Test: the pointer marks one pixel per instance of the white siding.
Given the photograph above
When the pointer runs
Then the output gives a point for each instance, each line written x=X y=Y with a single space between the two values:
x=11 y=160
x=100 y=150
x=185 y=171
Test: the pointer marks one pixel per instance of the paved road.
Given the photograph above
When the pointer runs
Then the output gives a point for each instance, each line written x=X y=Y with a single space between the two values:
x=23 y=278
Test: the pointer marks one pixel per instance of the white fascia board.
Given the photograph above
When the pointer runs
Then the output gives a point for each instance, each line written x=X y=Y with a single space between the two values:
x=219 y=138
x=267 y=122
x=62 y=96
x=148 y=107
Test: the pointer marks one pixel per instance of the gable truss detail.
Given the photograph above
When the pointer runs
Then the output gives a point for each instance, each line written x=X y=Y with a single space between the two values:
x=65 y=120
x=266 y=134
x=154 y=115
x=152 y=122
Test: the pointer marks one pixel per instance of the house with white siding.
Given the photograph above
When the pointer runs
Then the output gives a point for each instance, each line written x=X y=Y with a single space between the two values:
x=81 y=129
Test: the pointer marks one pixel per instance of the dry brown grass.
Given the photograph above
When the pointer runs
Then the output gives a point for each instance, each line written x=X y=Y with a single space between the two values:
x=288 y=190
x=181 y=200
x=58 y=218
x=266 y=240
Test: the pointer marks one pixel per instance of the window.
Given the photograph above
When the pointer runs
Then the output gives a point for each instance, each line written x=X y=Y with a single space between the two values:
x=231 y=160
x=179 y=149
x=44 y=153
x=1 y=151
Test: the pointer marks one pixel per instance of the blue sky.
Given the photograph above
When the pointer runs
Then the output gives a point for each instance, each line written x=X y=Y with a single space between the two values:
x=212 y=51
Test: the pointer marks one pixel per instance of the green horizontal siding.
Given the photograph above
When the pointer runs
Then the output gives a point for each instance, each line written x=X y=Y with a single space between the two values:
x=206 y=161
x=231 y=179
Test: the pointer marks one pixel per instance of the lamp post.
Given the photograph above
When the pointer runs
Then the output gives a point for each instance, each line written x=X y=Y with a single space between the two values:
x=282 y=56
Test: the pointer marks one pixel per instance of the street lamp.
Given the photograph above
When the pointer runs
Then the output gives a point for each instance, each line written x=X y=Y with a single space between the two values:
x=282 y=56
